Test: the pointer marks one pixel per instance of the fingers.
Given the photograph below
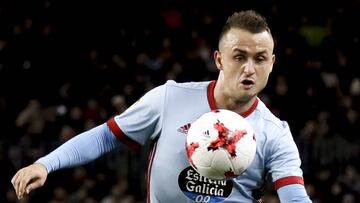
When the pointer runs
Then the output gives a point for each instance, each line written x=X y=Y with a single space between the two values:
x=14 y=178
x=23 y=181
x=15 y=182
x=32 y=186
x=29 y=178
x=19 y=183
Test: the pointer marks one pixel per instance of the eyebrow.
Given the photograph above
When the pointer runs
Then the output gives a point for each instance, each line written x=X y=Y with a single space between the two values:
x=245 y=52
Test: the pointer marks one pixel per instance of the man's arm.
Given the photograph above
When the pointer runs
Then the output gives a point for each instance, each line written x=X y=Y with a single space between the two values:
x=79 y=150
x=293 y=193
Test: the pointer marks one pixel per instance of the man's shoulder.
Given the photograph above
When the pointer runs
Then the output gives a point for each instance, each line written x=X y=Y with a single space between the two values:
x=270 y=118
x=188 y=85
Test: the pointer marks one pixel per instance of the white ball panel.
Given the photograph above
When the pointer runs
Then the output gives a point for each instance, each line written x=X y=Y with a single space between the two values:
x=214 y=163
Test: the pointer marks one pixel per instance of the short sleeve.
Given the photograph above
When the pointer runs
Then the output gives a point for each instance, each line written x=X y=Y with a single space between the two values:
x=142 y=120
x=284 y=160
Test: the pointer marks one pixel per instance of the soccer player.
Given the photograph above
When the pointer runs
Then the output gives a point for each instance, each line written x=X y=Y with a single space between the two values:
x=245 y=60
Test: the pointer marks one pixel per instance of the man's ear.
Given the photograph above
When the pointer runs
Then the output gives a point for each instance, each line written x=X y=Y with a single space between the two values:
x=273 y=61
x=217 y=59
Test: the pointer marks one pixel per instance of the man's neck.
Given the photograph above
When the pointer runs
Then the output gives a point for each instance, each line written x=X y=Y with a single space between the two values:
x=223 y=101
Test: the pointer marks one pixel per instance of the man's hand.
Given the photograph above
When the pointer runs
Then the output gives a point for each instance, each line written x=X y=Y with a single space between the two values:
x=29 y=178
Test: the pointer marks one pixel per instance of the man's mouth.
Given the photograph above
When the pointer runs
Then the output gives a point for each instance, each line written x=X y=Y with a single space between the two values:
x=247 y=82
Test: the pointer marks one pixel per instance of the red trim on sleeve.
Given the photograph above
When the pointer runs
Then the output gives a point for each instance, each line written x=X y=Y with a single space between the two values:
x=287 y=181
x=210 y=95
x=115 y=129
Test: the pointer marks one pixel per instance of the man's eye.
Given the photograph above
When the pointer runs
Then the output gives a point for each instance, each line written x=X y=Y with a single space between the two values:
x=240 y=57
x=260 y=59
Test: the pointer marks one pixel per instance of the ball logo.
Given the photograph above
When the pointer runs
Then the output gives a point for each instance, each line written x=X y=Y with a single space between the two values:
x=201 y=189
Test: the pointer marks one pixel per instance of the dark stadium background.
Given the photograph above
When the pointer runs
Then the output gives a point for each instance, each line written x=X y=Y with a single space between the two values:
x=68 y=66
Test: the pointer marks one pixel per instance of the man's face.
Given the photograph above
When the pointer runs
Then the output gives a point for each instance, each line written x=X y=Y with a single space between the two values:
x=245 y=61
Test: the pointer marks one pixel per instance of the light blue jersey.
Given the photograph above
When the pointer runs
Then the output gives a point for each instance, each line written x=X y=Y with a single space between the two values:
x=164 y=115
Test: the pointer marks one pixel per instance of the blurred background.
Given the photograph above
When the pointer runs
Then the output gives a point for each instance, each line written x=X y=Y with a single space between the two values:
x=66 y=67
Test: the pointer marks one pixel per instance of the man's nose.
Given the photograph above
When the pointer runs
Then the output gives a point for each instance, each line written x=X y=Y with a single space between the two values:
x=249 y=67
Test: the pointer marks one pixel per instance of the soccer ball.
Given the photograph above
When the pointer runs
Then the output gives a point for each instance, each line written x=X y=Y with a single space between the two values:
x=220 y=145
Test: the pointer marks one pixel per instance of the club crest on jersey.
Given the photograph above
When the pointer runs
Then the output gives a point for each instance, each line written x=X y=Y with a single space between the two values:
x=185 y=128
x=201 y=189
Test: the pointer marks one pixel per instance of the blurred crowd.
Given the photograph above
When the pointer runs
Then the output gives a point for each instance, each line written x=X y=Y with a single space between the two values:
x=67 y=67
